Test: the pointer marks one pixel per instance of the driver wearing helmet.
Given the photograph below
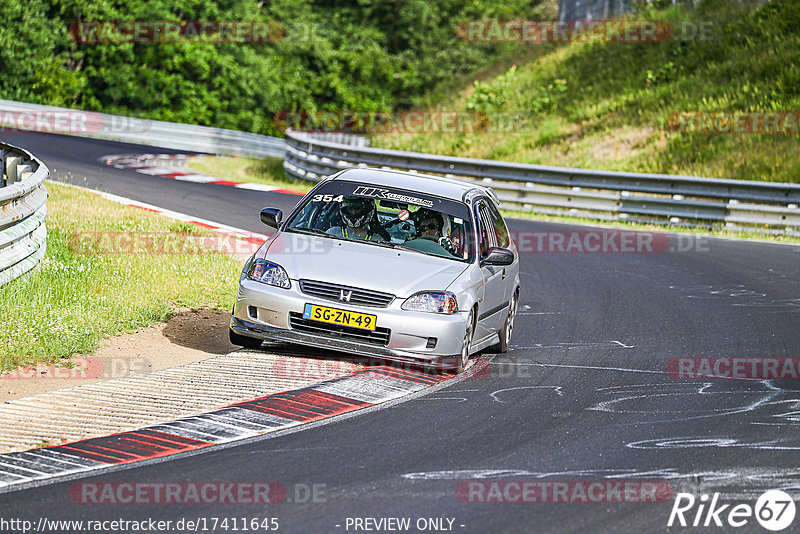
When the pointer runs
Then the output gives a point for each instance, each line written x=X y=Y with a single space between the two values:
x=428 y=225
x=360 y=218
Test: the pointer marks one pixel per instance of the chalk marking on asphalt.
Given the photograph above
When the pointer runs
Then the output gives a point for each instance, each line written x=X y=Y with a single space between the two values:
x=576 y=345
x=494 y=394
x=592 y=367
x=621 y=344
x=767 y=396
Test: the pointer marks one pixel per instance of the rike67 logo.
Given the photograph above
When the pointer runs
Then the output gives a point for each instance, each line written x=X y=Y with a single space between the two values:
x=774 y=510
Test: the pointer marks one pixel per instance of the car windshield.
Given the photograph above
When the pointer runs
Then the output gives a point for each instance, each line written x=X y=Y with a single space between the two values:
x=386 y=216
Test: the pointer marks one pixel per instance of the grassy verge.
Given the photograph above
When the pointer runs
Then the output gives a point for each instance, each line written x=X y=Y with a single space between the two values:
x=268 y=171
x=94 y=284
x=613 y=105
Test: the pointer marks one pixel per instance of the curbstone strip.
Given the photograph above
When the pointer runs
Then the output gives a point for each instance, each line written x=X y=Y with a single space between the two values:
x=174 y=166
x=238 y=421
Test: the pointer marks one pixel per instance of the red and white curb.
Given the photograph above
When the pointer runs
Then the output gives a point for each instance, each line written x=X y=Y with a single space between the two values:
x=251 y=241
x=174 y=166
x=364 y=388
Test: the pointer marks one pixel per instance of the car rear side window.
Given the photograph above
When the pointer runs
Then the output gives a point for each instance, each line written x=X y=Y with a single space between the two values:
x=487 y=235
x=500 y=228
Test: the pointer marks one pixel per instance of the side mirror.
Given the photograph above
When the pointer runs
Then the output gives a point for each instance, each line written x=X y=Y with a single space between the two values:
x=271 y=217
x=498 y=256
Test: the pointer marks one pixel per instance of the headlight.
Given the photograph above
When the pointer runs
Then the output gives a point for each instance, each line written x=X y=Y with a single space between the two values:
x=432 y=302
x=269 y=273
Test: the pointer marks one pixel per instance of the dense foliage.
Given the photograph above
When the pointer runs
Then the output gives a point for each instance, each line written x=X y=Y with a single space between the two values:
x=345 y=54
x=616 y=105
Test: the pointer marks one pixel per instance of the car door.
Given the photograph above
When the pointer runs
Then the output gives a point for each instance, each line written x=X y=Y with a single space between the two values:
x=492 y=299
x=510 y=272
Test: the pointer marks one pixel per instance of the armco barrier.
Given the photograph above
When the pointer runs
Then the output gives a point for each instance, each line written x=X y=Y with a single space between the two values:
x=566 y=191
x=174 y=135
x=589 y=193
x=23 y=235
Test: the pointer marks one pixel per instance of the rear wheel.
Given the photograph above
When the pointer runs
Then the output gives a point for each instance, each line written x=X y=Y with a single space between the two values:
x=467 y=345
x=508 y=326
x=244 y=341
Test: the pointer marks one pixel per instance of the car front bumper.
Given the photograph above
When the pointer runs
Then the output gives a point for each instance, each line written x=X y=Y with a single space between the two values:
x=262 y=311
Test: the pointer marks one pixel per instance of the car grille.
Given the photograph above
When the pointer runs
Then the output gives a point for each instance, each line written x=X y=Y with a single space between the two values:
x=379 y=336
x=360 y=297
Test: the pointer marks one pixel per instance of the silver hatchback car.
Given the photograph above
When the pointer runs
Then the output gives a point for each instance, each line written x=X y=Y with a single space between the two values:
x=395 y=265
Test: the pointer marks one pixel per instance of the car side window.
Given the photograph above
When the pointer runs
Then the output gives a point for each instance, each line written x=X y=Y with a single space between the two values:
x=500 y=228
x=486 y=232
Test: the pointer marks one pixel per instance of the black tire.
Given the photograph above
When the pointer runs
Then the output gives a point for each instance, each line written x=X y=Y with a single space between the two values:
x=463 y=358
x=244 y=341
x=508 y=325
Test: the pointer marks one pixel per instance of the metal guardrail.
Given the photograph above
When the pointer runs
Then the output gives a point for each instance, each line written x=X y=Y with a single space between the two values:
x=604 y=195
x=589 y=193
x=172 y=135
x=23 y=234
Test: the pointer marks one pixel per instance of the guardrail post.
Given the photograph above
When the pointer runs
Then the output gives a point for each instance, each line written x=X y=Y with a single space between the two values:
x=11 y=169
x=24 y=170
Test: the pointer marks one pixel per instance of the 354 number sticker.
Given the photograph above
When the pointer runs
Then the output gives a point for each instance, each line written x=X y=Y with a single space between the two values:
x=327 y=198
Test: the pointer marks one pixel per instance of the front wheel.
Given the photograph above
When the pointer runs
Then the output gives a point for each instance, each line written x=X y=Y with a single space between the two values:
x=508 y=326
x=244 y=341
x=467 y=345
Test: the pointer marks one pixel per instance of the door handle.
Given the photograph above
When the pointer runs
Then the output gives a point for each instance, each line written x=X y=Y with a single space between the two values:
x=504 y=274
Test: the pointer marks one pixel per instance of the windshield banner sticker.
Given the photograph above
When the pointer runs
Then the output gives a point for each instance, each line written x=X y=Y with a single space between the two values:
x=385 y=194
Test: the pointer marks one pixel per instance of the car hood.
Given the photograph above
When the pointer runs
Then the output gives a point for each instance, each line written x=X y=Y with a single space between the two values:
x=361 y=265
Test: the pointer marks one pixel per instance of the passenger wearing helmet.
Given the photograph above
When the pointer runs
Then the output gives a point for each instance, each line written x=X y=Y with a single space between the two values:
x=428 y=225
x=360 y=220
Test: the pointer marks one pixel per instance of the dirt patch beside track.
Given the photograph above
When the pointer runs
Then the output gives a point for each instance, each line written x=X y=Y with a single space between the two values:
x=188 y=337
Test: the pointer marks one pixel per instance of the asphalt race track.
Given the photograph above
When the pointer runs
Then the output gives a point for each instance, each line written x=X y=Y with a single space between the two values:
x=75 y=160
x=582 y=396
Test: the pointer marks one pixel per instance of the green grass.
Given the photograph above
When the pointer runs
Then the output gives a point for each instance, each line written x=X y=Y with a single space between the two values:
x=84 y=291
x=611 y=106
x=268 y=171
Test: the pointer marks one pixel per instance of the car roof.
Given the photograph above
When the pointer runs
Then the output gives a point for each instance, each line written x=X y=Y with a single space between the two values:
x=424 y=183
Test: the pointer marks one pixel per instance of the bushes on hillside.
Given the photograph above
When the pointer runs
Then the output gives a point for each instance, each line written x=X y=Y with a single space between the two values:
x=343 y=54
